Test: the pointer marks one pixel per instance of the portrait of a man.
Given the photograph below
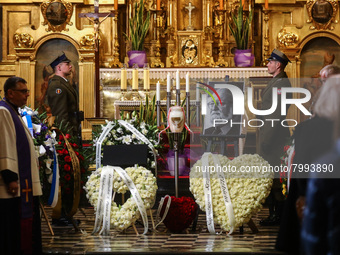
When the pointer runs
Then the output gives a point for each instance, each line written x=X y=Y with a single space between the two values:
x=219 y=118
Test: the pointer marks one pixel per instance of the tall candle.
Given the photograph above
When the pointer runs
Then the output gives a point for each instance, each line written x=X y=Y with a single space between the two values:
x=135 y=77
x=158 y=5
x=243 y=3
x=116 y=5
x=123 y=79
x=187 y=82
x=146 y=76
x=221 y=4
x=178 y=81
x=266 y=5
x=168 y=83
x=170 y=15
x=158 y=91
x=208 y=15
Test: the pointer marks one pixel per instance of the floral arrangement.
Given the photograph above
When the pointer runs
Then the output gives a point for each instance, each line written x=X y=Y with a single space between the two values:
x=120 y=135
x=181 y=213
x=248 y=190
x=123 y=216
x=288 y=152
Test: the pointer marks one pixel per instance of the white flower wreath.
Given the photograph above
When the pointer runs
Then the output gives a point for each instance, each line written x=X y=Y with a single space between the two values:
x=248 y=190
x=123 y=216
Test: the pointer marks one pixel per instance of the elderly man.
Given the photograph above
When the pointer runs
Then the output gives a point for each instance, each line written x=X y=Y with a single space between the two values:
x=272 y=137
x=20 y=231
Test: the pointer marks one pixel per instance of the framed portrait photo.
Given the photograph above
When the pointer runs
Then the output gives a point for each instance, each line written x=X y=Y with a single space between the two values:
x=221 y=116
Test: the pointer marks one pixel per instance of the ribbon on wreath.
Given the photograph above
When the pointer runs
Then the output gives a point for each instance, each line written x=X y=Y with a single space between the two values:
x=167 y=207
x=53 y=198
x=99 y=142
x=26 y=115
x=208 y=197
x=291 y=155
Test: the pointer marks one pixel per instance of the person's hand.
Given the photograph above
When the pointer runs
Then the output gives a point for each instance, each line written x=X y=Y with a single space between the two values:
x=12 y=188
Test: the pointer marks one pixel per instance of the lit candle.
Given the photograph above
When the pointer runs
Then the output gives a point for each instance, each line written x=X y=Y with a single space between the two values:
x=266 y=5
x=123 y=78
x=178 y=81
x=116 y=5
x=197 y=92
x=170 y=14
x=221 y=4
x=208 y=16
x=130 y=10
x=168 y=84
x=135 y=77
x=187 y=82
x=146 y=77
x=158 y=91
x=158 y=5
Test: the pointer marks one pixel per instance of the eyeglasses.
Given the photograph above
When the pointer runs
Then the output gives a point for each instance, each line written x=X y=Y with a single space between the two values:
x=23 y=91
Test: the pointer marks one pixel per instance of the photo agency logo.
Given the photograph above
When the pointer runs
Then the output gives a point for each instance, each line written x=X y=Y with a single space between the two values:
x=227 y=101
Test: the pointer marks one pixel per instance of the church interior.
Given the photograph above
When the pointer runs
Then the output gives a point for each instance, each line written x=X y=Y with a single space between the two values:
x=182 y=37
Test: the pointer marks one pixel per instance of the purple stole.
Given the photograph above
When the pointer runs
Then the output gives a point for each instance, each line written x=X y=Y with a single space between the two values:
x=24 y=164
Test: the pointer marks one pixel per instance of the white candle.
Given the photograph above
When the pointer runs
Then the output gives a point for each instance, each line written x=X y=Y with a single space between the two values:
x=208 y=16
x=197 y=92
x=170 y=14
x=187 y=82
x=146 y=78
x=168 y=84
x=178 y=80
x=135 y=78
x=158 y=91
x=123 y=79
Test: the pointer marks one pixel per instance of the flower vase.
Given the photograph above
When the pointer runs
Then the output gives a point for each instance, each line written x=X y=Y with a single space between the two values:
x=182 y=162
x=137 y=57
x=243 y=58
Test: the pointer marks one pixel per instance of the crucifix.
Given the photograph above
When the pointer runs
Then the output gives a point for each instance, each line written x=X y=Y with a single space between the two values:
x=190 y=7
x=94 y=18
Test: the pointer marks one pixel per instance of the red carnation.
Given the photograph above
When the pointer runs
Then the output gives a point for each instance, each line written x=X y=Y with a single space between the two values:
x=59 y=143
x=64 y=151
x=77 y=153
x=67 y=167
x=67 y=177
x=67 y=159
x=61 y=137
x=67 y=136
x=81 y=157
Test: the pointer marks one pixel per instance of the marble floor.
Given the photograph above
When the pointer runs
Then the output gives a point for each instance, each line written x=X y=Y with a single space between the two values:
x=67 y=241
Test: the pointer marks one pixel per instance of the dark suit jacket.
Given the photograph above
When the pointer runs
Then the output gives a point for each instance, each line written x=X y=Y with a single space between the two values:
x=63 y=100
x=273 y=139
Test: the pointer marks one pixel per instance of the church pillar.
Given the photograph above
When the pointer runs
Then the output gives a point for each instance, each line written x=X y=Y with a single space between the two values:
x=87 y=90
x=25 y=68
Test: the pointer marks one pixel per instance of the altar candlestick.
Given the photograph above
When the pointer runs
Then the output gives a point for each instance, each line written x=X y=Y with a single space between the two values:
x=158 y=91
x=221 y=4
x=197 y=92
x=208 y=15
x=146 y=77
x=116 y=5
x=178 y=80
x=135 y=77
x=187 y=82
x=168 y=84
x=266 y=5
x=158 y=5
x=123 y=78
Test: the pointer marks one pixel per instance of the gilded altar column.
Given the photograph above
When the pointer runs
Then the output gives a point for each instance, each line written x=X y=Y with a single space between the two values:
x=87 y=90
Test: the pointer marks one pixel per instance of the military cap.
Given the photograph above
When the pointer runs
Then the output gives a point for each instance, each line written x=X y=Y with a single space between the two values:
x=60 y=59
x=279 y=56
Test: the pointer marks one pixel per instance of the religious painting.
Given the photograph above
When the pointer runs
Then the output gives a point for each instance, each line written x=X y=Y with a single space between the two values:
x=57 y=14
x=189 y=50
x=220 y=118
x=322 y=13
x=48 y=52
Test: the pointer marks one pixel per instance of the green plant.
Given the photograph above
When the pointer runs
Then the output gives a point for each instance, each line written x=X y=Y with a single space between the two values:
x=240 y=27
x=139 y=27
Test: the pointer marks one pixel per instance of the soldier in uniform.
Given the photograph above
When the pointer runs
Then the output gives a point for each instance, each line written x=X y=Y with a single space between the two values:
x=272 y=137
x=62 y=98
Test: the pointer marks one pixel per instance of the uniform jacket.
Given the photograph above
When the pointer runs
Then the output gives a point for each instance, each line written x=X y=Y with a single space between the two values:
x=63 y=100
x=272 y=139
